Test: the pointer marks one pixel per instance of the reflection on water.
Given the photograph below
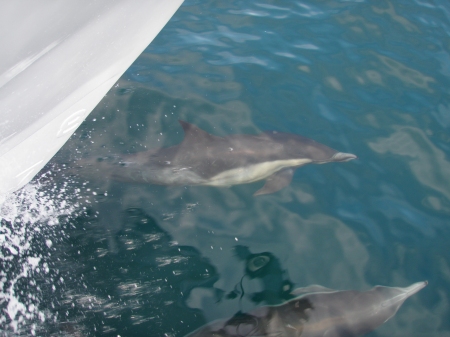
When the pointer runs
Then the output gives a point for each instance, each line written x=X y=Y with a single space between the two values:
x=366 y=78
x=427 y=162
x=144 y=283
x=410 y=77
x=276 y=286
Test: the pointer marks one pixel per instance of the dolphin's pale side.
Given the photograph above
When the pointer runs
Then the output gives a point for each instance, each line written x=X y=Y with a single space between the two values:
x=320 y=313
x=205 y=159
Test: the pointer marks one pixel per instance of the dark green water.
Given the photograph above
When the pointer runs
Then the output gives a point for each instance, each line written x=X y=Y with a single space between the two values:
x=370 y=78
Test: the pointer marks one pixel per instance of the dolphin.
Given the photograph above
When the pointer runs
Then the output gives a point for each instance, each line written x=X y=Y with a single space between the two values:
x=322 y=312
x=205 y=159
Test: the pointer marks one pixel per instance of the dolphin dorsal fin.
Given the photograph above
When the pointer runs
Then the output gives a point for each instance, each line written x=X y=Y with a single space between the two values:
x=193 y=133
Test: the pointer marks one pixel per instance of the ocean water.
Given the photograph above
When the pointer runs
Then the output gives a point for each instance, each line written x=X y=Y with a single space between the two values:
x=84 y=256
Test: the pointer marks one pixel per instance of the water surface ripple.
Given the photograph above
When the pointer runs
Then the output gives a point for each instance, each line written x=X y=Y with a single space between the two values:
x=365 y=77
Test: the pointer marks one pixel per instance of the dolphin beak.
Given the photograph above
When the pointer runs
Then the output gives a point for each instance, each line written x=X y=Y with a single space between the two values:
x=341 y=156
x=403 y=294
x=414 y=288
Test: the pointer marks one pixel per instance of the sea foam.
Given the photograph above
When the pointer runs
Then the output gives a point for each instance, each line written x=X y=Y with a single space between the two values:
x=31 y=222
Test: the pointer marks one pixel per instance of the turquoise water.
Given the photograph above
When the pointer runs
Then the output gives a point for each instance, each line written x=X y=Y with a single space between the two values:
x=369 y=78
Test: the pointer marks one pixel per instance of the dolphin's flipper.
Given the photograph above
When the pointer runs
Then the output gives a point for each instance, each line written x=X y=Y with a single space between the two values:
x=276 y=182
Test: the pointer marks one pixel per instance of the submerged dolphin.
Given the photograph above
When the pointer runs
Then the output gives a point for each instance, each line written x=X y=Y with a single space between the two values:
x=205 y=159
x=320 y=313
